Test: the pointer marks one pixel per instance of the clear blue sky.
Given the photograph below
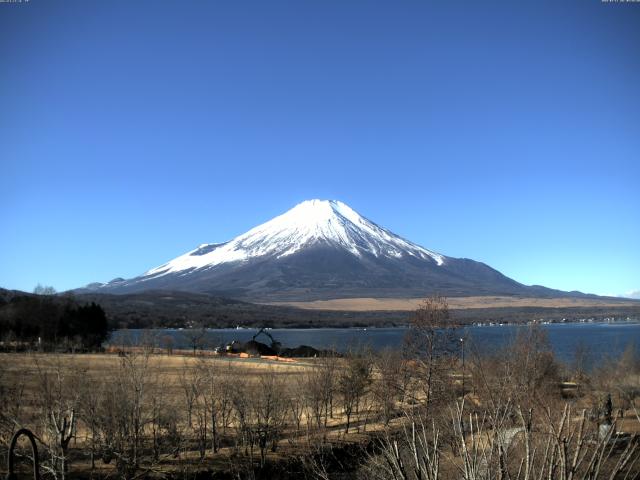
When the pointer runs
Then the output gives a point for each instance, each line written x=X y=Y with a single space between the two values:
x=507 y=132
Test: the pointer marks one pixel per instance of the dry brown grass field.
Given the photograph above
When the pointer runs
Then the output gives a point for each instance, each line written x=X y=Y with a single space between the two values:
x=456 y=303
x=21 y=367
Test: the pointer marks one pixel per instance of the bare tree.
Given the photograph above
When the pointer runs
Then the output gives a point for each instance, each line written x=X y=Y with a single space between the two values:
x=430 y=343
x=414 y=454
x=196 y=337
x=320 y=387
x=269 y=412
x=581 y=361
x=225 y=387
x=315 y=395
x=12 y=411
x=189 y=380
x=549 y=447
x=212 y=390
x=533 y=370
x=241 y=395
x=125 y=413
x=59 y=397
x=389 y=382
x=296 y=399
x=44 y=290
x=353 y=380
x=89 y=407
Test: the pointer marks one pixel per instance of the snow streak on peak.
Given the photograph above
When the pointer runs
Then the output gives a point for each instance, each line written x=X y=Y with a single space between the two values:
x=312 y=222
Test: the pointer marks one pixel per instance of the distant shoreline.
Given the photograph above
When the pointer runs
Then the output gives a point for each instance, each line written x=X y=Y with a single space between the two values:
x=600 y=339
x=368 y=304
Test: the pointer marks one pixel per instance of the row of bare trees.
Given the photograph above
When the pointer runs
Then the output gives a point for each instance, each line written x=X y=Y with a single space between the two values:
x=107 y=414
x=536 y=447
x=133 y=415
x=513 y=420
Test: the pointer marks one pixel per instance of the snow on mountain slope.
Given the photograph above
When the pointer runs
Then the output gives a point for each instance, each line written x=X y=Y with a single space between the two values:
x=319 y=250
x=326 y=222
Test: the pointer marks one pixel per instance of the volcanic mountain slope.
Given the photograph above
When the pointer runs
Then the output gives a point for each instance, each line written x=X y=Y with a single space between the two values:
x=317 y=250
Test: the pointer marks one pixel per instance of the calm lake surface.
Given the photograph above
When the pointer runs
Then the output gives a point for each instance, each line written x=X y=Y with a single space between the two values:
x=602 y=340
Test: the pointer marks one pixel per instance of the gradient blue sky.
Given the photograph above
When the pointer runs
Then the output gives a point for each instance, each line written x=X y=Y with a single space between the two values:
x=507 y=132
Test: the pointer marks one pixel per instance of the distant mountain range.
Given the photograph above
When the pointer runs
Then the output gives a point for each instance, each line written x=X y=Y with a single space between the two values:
x=322 y=250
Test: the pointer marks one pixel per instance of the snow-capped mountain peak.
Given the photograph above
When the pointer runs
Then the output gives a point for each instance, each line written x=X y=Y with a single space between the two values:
x=320 y=249
x=322 y=222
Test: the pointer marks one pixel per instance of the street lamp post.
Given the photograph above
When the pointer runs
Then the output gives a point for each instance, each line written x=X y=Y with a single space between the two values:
x=462 y=348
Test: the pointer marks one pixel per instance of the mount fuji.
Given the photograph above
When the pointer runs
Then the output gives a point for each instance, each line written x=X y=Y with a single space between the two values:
x=321 y=249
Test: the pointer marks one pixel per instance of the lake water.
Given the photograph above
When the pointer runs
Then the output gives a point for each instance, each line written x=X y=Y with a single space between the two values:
x=602 y=340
